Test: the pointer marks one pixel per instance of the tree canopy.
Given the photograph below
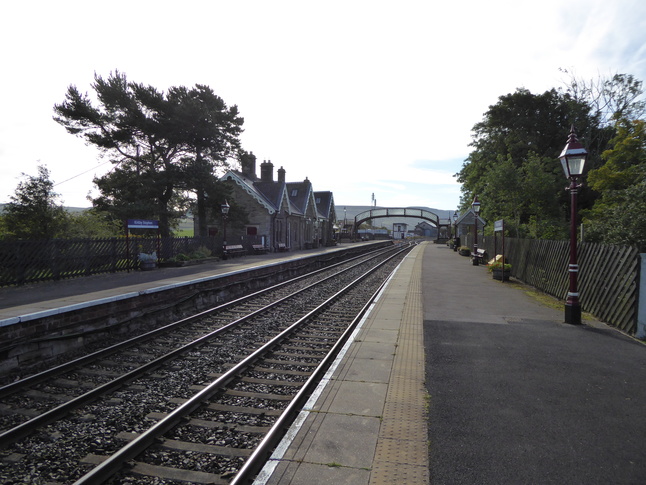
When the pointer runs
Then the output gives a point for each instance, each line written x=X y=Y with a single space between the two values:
x=618 y=217
x=514 y=168
x=163 y=145
x=33 y=212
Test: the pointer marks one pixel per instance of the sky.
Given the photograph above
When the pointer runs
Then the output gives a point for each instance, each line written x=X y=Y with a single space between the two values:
x=372 y=100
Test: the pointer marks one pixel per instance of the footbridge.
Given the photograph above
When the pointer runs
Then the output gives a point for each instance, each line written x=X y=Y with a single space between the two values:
x=394 y=212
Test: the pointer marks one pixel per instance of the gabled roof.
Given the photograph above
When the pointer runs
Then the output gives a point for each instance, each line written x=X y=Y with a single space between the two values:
x=270 y=195
x=302 y=196
x=324 y=203
x=424 y=225
x=297 y=198
x=468 y=219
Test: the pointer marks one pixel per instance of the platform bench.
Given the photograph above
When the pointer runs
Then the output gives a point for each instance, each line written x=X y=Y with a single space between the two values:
x=281 y=247
x=259 y=249
x=234 y=250
x=479 y=256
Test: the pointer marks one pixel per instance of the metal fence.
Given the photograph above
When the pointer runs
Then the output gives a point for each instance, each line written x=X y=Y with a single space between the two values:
x=24 y=262
x=608 y=280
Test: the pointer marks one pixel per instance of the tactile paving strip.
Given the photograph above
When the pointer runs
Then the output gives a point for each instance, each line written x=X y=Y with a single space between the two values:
x=401 y=455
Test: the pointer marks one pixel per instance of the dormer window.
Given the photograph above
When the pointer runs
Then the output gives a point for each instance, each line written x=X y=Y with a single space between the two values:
x=294 y=192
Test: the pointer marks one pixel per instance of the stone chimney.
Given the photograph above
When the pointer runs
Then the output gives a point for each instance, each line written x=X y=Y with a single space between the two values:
x=248 y=165
x=281 y=175
x=267 y=171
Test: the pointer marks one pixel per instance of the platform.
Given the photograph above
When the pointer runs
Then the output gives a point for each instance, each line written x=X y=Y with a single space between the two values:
x=454 y=377
x=367 y=422
x=54 y=295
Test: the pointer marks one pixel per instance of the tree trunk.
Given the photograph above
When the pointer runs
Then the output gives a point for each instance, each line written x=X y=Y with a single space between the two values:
x=202 y=226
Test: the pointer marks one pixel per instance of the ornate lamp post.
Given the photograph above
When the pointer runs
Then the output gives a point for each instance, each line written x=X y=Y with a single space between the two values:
x=573 y=159
x=225 y=214
x=455 y=231
x=475 y=205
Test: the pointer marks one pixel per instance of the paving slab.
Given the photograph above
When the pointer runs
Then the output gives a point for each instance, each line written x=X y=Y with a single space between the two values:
x=369 y=420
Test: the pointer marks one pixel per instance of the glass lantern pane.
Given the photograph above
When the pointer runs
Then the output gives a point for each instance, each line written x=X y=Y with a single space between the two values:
x=576 y=165
x=565 y=169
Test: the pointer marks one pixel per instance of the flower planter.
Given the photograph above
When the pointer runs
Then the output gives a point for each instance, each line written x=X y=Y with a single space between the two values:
x=465 y=252
x=147 y=265
x=500 y=275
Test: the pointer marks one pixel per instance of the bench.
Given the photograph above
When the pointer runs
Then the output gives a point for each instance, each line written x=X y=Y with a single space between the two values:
x=479 y=256
x=259 y=249
x=234 y=250
x=281 y=247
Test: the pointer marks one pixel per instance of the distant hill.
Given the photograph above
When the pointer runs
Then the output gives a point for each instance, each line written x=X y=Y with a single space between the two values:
x=68 y=209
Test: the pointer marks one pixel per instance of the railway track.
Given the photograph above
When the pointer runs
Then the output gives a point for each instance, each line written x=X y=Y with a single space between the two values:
x=198 y=410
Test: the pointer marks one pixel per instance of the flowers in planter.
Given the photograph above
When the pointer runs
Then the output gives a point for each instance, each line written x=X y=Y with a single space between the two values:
x=499 y=269
x=147 y=261
x=499 y=265
x=148 y=258
x=465 y=251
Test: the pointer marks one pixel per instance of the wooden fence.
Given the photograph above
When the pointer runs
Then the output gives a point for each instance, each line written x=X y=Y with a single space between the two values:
x=608 y=280
x=24 y=262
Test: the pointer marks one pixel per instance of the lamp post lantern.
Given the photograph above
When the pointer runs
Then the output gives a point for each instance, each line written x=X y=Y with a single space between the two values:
x=573 y=159
x=475 y=205
x=225 y=214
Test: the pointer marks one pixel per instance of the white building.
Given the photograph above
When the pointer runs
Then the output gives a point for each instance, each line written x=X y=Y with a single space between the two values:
x=399 y=230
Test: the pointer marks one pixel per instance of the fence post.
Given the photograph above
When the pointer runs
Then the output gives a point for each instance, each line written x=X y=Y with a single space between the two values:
x=641 y=303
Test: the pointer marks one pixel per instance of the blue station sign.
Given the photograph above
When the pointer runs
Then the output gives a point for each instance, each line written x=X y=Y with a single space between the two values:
x=142 y=224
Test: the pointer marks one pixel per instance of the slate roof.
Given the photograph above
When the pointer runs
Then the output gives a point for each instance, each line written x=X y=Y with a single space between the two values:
x=324 y=202
x=269 y=194
x=299 y=196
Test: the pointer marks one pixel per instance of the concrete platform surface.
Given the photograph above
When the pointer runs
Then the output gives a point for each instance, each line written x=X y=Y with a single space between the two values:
x=48 y=295
x=367 y=422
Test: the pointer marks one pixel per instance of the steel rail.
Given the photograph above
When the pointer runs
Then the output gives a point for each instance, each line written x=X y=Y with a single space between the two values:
x=118 y=460
x=26 y=428
x=258 y=458
x=15 y=386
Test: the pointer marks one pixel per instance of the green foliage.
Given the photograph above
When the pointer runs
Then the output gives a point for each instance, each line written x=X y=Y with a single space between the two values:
x=499 y=265
x=200 y=253
x=33 y=212
x=163 y=145
x=619 y=216
x=93 y=224
x=514 y=166
x=137 y=192
x=624 y=161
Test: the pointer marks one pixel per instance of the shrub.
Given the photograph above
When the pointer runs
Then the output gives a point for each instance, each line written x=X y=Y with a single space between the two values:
x=499 y=265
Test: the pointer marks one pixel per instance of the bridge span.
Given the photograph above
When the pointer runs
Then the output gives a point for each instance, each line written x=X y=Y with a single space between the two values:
x=394 y=212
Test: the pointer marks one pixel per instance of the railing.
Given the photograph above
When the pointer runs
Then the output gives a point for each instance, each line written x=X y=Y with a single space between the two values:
x=395 y=212
x=24 y=262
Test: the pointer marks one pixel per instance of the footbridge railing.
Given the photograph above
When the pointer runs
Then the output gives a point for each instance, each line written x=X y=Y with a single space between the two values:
x=395 y=212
